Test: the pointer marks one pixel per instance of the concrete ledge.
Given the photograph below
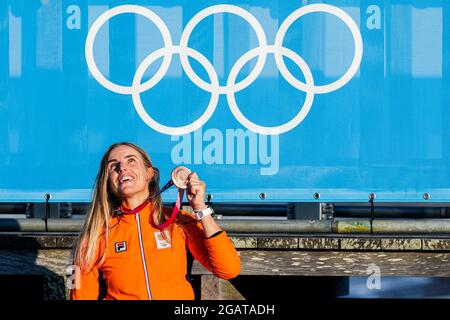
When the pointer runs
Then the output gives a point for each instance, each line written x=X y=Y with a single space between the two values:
x=264 y=242
x=37 y=240
x=49 y=256
x=401 y=244
x=436 y=244
x=340 y=263
x=244 y=242
x=277 y=243
x=360 y=244
x=318 y=243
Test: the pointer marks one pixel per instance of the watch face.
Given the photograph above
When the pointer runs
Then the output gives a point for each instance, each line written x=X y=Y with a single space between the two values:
x=200 y=214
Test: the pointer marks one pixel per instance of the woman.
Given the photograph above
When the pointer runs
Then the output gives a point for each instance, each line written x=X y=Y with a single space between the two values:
x=121 y=245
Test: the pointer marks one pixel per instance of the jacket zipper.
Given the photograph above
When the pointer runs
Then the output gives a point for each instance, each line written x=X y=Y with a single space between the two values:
x=144 y=263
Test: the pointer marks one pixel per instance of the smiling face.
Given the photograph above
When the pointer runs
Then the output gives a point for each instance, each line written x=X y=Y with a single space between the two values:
x=128 y=175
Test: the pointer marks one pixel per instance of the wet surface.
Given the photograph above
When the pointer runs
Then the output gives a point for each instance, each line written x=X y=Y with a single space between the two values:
x=401 y=287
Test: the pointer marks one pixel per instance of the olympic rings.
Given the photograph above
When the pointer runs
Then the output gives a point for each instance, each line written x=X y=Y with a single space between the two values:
x=231 y=87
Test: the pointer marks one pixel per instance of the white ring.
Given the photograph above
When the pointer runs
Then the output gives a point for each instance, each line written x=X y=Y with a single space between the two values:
x=137 y=98
x=223 y=8
x=341 y=14
x=276 y=130
x=98 y=23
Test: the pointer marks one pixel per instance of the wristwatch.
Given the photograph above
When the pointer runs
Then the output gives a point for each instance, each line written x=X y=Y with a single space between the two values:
x=200 y=214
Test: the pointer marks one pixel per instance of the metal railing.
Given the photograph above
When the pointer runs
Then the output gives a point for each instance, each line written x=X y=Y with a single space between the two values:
x=255 y=218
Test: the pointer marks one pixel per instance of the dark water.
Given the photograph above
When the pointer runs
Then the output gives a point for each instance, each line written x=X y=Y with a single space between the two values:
x=401 y=287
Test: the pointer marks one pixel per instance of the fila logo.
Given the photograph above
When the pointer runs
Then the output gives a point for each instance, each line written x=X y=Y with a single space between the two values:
x=121 y=246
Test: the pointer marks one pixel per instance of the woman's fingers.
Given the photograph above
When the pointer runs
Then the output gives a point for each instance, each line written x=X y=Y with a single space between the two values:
x=193 y=177
x=196 y=189
x=193 y=180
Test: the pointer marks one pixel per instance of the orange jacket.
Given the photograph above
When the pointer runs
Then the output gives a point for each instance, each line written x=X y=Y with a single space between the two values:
x=140 y=264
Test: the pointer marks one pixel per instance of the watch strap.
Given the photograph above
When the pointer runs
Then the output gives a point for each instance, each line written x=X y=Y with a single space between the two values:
x=200 y=214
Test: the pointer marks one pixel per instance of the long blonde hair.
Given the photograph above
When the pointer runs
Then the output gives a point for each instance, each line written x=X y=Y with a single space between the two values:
x=102 y=209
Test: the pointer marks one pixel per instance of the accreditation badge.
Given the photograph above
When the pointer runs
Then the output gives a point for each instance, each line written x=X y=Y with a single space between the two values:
x=162 y=242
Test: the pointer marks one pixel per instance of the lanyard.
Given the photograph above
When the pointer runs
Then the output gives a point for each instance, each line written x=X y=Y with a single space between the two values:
x=178 y=179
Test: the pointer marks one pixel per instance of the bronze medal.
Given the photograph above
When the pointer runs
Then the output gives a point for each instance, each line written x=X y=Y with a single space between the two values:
x=179 y=176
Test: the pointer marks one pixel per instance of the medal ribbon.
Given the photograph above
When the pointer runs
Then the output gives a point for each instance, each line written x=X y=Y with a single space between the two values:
x=176 y=207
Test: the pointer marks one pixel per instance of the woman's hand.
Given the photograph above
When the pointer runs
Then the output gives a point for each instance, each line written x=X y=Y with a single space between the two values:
x=195 y=192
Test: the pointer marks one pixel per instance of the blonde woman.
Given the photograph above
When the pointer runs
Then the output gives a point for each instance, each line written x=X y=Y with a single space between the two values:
x=121 y=245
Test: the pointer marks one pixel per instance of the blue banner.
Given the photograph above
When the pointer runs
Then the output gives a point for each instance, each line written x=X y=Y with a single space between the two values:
x=268 y=101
